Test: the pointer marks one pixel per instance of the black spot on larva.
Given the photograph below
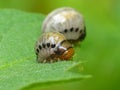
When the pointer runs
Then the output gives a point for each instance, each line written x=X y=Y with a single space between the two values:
x=81 y=31
x=43 y=45
x=83 y=35
x=37 y=51
x=71 y=29
x=65 y=30
x=48 y=45
x=53 y=45
x=40 y=47
x=59 y=51
x=76 y=30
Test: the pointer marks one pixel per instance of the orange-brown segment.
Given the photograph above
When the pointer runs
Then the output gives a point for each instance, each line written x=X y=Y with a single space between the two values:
x=67 y=54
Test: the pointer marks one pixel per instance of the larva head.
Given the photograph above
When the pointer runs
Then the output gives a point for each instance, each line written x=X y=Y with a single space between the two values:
x=64 y=51
x=67 y=21
x=67 y=54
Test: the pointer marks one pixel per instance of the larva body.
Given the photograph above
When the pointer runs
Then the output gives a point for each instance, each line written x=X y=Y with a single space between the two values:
x=67 y=21
x=53 y=46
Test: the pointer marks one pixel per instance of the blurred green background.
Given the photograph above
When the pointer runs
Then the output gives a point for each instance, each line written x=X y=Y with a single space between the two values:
x=101 y=47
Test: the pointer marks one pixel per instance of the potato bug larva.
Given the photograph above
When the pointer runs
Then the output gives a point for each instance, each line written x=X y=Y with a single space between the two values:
x=53 y=46
x=67 y=21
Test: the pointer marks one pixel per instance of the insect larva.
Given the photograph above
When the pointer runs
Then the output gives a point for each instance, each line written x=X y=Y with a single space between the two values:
x=67 y=21
x=53 y=46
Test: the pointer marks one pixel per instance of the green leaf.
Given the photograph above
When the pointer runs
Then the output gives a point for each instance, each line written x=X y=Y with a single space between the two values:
x=18 y=67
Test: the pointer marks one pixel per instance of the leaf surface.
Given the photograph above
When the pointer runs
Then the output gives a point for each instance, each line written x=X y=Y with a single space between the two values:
x=18 y=67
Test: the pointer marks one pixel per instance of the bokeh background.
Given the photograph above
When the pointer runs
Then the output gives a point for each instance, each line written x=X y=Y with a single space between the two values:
x=101 y=47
